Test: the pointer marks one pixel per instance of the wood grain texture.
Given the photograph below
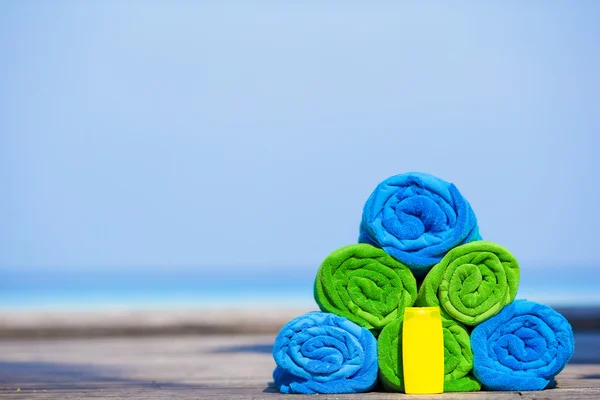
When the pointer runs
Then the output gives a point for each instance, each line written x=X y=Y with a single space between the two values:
x=206 y=367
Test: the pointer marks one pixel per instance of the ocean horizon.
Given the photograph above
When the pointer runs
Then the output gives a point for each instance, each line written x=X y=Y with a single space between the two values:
x=93 y=288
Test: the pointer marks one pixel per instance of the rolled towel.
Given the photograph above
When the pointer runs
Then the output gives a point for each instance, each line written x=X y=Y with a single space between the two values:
x=417 y=218
x=522 y=348
x=364 y=284
x=324 y=353
x=458 y=358
x=472 y=282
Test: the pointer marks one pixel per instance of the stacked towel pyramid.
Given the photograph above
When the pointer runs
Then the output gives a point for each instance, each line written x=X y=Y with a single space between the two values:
x=419 y=245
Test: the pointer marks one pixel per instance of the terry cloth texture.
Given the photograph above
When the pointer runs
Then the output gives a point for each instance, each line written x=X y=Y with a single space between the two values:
x=458 y=358
x=472 y=282
x=522 y=348
x=324 y=353
x=417 y=218
x=366 y=285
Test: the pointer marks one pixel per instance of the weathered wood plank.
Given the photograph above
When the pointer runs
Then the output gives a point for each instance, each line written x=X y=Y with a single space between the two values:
x=259 y=394
x=205 y=367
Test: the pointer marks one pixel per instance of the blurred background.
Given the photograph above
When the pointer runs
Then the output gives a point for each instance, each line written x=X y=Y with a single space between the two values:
x=190 y=155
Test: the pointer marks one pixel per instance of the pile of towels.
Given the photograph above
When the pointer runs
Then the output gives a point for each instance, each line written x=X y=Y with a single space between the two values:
x=419 y=245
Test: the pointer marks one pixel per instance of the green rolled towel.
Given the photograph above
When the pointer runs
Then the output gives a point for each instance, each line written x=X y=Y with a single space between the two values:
x=472 y=283
x=458 y=358
x=366 y=285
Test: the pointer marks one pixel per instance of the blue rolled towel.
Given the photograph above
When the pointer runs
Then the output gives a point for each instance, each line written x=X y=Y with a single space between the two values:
x=522 y=348
x=324 y=353
x=417 y=218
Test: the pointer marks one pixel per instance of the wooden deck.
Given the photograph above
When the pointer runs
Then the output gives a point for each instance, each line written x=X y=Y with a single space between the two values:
x=205 y=367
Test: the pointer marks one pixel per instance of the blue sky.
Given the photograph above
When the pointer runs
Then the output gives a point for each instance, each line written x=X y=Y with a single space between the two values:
x=187 y=134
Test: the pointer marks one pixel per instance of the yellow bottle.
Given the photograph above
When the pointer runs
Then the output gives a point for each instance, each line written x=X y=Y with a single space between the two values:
x=423 y=350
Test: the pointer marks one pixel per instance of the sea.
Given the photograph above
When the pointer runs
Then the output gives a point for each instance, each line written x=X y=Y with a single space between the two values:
x=234 y=287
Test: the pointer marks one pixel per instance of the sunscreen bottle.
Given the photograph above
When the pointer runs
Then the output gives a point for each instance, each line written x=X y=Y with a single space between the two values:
x=423 y=350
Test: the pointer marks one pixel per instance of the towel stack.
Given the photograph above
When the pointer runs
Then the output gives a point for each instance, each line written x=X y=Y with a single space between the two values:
x=419 y=245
